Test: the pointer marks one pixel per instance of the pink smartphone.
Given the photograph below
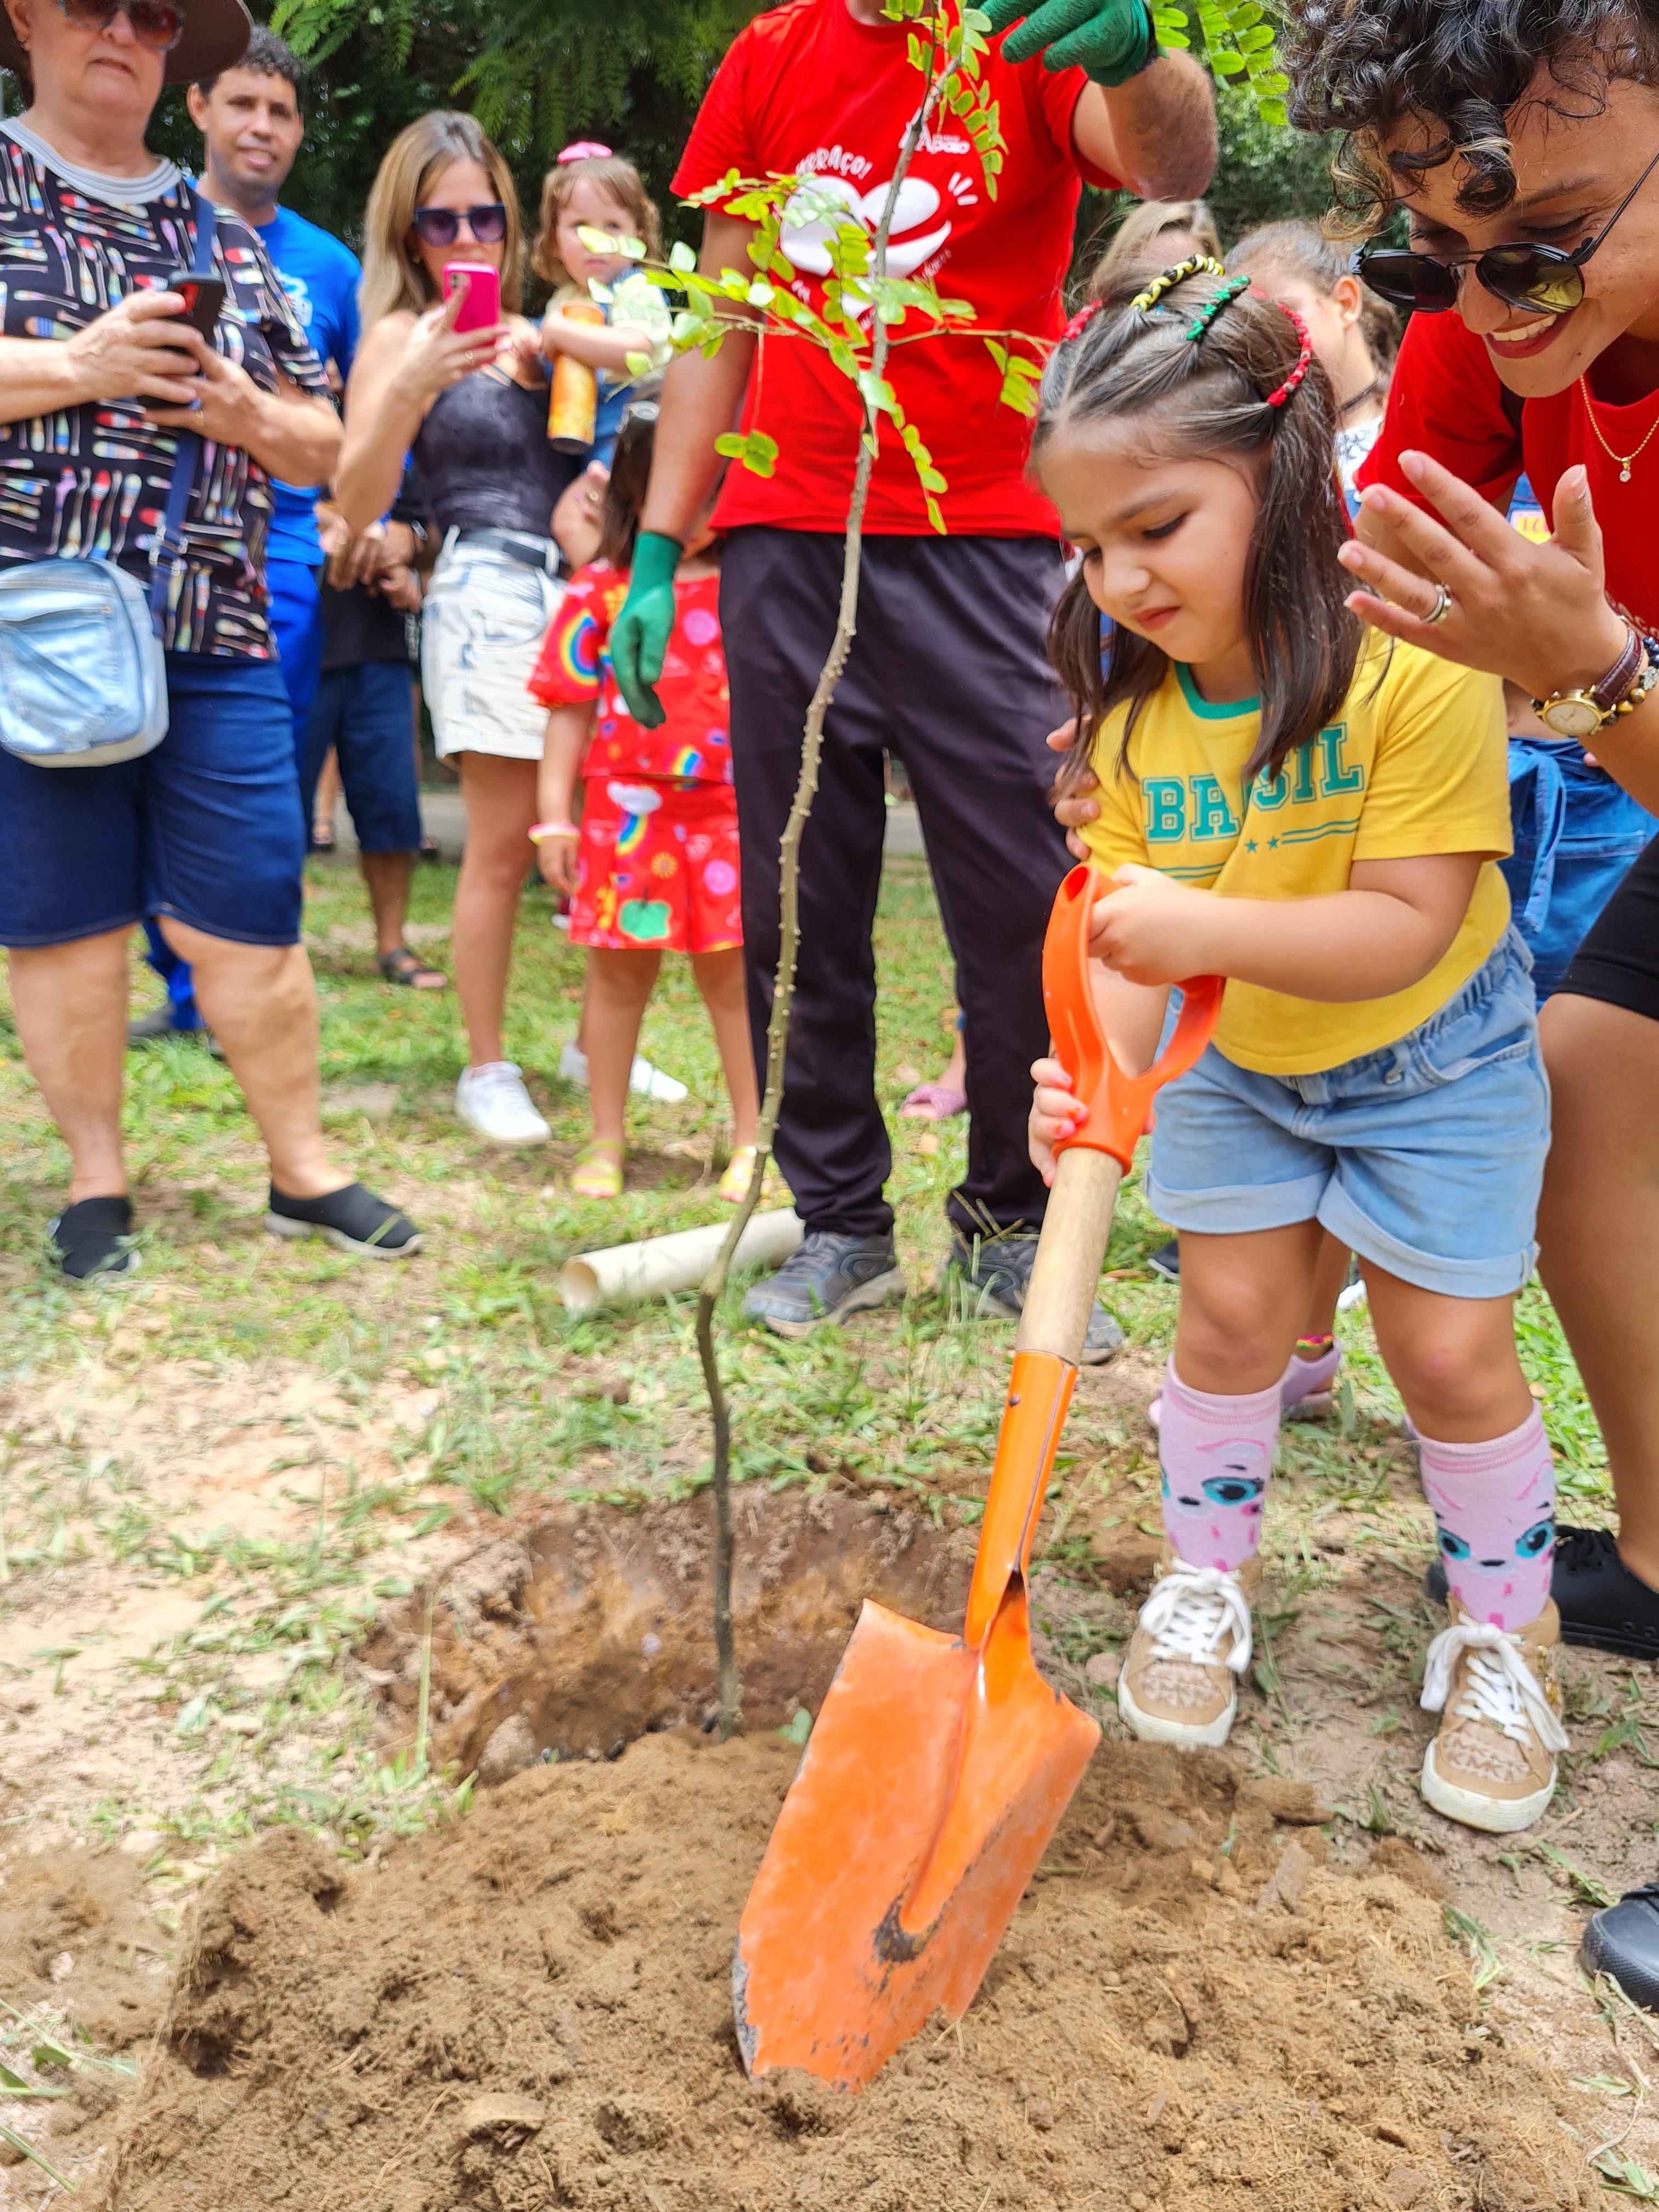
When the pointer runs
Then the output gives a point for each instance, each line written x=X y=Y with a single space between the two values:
x=482 y=306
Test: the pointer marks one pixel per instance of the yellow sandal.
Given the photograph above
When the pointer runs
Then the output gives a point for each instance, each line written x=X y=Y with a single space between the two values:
x=597 y=1171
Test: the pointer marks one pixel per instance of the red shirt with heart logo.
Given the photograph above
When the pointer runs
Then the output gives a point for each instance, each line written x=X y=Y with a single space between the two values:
x=806 y=90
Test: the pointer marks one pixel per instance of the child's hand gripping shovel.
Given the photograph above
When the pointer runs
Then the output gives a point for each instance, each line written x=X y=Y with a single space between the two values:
x=940 y=1765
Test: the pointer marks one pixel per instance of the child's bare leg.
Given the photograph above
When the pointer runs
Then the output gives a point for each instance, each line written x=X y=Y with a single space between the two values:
x=720 y=979
x=619 y=988
x=1244 y=1302
x=1453 y=1359
x=1330 y=1281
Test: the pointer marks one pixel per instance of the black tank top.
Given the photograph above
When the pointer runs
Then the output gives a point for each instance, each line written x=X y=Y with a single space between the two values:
x=485 y=460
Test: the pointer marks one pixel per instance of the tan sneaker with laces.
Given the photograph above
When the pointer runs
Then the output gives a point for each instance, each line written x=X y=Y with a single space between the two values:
x=1191 y=1641
x=1492 y=1765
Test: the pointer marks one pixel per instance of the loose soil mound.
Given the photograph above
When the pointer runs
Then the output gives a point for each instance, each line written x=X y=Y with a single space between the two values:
x=1192 y=2012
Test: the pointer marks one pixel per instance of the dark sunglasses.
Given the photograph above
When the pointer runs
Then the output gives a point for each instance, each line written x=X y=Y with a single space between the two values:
x=486 y=225
x=1541 y=280
x=154 y=24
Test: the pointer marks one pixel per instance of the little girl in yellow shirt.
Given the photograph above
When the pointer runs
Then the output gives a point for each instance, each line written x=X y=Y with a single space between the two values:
x=1290 y=802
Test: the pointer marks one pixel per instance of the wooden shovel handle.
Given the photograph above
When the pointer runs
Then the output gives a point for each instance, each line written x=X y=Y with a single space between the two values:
x=1066 y=1271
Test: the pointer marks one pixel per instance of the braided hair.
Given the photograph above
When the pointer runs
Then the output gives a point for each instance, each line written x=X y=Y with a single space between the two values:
x=1205 y=371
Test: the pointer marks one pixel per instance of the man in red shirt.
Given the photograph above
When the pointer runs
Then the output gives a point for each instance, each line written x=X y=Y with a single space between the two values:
x=948 y=669
x=1524 y=146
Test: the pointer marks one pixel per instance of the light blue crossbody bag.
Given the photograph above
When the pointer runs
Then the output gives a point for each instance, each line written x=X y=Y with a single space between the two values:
x=82 y=678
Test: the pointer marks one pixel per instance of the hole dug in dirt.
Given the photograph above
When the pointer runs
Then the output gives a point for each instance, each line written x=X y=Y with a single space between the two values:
x=592 y=1627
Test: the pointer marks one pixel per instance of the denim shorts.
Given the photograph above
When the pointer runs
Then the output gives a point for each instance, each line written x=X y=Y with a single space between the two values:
x=1426 y=1158
x=367 y=714
x=206 y=829
x=481 y=626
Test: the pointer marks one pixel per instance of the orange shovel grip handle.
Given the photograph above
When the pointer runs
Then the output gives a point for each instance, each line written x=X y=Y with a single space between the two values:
x=1119 y=1105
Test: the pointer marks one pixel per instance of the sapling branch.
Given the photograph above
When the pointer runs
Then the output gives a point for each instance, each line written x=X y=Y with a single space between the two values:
x=875 y=394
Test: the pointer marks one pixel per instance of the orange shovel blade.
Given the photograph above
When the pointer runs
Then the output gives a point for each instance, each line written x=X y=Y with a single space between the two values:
x=930 y=1787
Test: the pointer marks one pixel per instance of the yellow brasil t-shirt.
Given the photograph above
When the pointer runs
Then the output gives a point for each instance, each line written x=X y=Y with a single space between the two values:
x=1416 y=765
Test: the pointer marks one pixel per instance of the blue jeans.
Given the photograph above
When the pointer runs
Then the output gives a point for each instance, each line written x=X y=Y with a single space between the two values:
x=1426 y=1158
x=368 y=714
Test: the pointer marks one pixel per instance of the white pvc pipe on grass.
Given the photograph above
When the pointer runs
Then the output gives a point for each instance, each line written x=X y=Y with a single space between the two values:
x=661 y=1264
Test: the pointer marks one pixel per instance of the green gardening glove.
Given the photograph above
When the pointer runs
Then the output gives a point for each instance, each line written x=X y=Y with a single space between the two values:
x=639 y=636
x=1111 y=40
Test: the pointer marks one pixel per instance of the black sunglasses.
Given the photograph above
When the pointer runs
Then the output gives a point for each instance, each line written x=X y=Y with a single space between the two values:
x=1541 y=280
x=436 y=225
x=154 y=24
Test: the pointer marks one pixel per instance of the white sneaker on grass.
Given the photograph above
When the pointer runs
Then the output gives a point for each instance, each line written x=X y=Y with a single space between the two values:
x=493 y=1100
x=643 y=1081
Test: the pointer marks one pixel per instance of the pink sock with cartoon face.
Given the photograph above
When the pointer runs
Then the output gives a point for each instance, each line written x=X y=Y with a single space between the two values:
x=1494 y=1504
x=1216 y=1456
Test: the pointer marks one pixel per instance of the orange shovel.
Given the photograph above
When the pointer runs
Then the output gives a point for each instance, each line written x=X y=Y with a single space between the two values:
x=940 y=1765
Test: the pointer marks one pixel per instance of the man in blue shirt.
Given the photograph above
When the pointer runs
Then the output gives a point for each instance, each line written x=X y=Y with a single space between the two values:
x=251 y=130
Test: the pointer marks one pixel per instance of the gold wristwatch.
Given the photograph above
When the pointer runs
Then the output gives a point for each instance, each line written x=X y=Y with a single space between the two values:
x=1582 y=713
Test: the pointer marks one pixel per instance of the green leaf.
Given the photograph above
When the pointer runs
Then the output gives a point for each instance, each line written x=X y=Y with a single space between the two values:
x=1257 y=41
x=759 y=453
x=638 y=364
x=761 y=295
x=681 y=258
x=1275 y=112
x=1227 y=63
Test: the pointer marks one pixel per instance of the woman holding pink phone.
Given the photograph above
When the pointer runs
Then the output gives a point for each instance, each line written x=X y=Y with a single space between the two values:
x=449 y=370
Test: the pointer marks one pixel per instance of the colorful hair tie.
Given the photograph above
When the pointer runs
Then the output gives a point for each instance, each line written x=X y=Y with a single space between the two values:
x=583 y=149
x=1079 y=322
x=1147 y=300
x=1224 y=295
x=1278 y=398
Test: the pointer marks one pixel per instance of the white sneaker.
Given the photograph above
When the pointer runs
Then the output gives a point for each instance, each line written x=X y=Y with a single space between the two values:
x=643 y=1081
x=1498 y=1694
x=1191 y=1643
x=493 y=1100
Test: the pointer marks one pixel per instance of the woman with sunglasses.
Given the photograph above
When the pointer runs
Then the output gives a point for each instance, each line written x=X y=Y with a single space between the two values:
x=203 y=832
x=1525 y=148
x=471 y=406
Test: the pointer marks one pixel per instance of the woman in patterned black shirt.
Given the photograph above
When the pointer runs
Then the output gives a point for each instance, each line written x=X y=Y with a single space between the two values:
x=98 y=373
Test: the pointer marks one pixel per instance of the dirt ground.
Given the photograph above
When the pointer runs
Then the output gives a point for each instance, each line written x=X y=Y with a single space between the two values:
x=1236 y=1982
x=533 y=2011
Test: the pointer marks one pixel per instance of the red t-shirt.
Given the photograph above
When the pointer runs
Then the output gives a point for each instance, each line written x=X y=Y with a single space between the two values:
x=806 y=90
x=1446 y=400
x=694 y=743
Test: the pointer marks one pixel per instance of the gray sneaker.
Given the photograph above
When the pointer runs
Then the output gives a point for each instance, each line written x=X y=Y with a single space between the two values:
x=826 y=1278
x=997 y=1270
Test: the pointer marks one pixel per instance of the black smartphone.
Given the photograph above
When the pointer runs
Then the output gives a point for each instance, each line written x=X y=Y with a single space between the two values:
x=203 y=298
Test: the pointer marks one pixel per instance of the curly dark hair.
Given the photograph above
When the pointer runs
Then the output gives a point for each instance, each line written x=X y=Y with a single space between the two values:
x=1208 y=399
x=1460 y=67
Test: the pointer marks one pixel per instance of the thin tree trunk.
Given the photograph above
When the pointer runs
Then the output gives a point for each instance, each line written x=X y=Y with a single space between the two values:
x=729 y=1686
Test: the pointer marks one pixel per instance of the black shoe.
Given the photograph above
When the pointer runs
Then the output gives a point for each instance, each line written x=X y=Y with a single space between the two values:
x=1602 y=1603
x=1623 y=1941
x=827 y=1277
x=353 y=1219
x=998 y=1268
x=1166 y=1260
x=92 y=1241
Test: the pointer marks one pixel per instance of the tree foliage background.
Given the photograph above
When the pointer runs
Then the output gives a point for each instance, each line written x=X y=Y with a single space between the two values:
x=631 y=72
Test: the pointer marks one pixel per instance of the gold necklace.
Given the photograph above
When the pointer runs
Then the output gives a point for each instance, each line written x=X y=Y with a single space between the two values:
x=1623 y=459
